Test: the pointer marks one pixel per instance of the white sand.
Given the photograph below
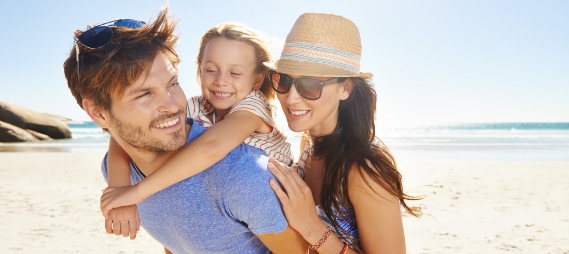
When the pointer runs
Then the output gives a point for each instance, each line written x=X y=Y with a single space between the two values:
x=488 y=207
x=49 y=204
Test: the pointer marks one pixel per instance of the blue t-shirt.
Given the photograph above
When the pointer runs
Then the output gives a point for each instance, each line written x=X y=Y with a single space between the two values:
x=220 y=210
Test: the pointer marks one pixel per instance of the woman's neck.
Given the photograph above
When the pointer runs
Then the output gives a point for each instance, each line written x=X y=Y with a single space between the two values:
x=325 y=127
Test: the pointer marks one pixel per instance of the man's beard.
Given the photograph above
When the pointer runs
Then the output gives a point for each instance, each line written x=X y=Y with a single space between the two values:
x=142 y=140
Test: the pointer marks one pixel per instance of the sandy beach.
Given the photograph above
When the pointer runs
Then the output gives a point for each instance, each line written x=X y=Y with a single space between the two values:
x=49 y=204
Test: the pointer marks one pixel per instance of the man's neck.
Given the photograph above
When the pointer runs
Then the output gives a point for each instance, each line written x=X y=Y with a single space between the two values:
x=148 y=162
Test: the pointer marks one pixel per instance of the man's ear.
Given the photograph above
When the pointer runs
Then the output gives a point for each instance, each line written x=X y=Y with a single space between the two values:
x=348 y=86
x=99 y=116
x=259 y=78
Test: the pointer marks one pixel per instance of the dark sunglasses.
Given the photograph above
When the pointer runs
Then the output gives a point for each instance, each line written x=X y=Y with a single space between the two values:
x=100 y=35
x=307 y=88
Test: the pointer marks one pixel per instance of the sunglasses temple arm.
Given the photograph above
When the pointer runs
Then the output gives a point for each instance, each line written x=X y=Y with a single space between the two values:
x=77 y=58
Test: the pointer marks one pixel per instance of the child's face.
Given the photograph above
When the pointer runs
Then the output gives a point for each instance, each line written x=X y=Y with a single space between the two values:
x=227 y=72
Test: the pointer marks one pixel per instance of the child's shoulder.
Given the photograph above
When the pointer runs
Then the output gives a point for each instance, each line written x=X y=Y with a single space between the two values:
x=256 y=102
x=256 y=95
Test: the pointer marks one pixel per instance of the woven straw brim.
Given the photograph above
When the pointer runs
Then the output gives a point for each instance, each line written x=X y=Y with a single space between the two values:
x=322 y=45
x=293 y=67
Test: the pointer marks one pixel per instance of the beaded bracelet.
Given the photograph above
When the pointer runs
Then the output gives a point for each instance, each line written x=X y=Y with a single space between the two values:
x=322 y=240
x=344 y=249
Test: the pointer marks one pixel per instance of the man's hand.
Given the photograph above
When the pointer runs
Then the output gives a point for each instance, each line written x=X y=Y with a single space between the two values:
x=123 y=221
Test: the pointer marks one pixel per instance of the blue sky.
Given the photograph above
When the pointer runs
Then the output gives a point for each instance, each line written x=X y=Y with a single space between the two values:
x=434 y=61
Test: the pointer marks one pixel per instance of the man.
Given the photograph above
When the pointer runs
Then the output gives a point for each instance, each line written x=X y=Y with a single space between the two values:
x=126 y=81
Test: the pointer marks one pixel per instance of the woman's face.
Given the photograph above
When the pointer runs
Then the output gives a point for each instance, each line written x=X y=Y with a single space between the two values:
x=318 y=117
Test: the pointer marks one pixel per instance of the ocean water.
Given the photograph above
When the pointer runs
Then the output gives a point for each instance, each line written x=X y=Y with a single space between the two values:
x=480 y=141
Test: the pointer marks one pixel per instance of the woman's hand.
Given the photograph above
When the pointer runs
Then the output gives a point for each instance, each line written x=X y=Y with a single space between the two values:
x=114 y=197
x=297 y=201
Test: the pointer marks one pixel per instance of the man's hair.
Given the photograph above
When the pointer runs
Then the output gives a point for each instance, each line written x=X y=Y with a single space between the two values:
x=104 y=73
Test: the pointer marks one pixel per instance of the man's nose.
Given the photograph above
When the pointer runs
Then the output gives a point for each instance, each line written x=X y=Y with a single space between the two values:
x=167 y=103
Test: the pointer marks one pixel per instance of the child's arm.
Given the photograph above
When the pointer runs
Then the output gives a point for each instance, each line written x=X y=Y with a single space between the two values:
x=199 y=155
x=123 y=221
x=118 y=165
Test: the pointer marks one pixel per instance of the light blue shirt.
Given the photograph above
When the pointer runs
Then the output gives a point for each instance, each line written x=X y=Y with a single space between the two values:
x=221 y=210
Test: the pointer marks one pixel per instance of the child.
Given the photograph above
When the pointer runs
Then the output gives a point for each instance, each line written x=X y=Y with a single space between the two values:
x=235 y=89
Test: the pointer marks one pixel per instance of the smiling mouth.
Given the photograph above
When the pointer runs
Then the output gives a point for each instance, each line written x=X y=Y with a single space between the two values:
x=167 y=124
x=298 y=112
x=222 y=95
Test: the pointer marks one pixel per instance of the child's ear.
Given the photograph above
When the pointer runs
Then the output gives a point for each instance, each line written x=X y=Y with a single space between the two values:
x=347 y=86
x=99 y=116
x=259 y=78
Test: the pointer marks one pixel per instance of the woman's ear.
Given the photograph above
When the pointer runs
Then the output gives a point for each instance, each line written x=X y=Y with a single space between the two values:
x=259 y=78
x=347 y=88
x=99 y=116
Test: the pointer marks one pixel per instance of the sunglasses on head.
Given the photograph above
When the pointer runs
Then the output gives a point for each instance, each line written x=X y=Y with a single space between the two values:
x=307 y=88
x=100 y=35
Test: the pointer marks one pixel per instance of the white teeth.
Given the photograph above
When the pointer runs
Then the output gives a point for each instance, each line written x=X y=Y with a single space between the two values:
x=223 y=94
x=298 y=112
x=167 y=124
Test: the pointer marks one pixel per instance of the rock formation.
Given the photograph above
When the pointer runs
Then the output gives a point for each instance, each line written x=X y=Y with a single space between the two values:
x=18 y=124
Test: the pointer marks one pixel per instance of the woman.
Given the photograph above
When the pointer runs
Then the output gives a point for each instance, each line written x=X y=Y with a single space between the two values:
x=348 y=173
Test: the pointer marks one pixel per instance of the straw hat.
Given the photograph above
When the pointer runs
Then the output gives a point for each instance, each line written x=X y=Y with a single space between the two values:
x=322 y=45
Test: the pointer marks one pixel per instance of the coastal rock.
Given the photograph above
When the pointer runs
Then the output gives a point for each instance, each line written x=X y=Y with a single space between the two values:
x=28 y=119
x=65 y=119
x=38 y=135
x=11 y=133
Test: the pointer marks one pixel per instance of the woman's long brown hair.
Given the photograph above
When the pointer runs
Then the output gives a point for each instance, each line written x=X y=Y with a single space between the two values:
x=351 y=146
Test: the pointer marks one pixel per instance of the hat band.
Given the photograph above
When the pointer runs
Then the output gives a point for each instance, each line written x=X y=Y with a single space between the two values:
x=305 y=52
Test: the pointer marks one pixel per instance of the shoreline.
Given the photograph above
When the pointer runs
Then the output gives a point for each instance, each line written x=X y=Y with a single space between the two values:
x=477 y=152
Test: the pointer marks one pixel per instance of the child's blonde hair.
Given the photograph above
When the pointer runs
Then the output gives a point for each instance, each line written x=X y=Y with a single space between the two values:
x=240 y=32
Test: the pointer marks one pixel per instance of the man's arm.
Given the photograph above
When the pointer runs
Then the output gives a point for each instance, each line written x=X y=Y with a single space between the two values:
x=167 y=251
x=288 y=241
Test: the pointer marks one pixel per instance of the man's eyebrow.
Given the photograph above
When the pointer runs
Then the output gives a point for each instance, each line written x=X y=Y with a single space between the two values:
x=144 y=89
x=138 y=90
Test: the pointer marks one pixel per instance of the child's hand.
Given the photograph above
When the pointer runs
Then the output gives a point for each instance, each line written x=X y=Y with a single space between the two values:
x=123 y=221
x=114 y=197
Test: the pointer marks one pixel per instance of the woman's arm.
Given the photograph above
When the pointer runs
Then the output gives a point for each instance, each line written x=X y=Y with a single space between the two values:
x=199 y=155
x=378 y=215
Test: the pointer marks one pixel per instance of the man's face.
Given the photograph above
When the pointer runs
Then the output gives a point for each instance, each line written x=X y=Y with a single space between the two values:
x=150 y=116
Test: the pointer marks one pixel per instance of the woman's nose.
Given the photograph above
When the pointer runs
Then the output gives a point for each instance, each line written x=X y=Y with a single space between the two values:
x=292 y=96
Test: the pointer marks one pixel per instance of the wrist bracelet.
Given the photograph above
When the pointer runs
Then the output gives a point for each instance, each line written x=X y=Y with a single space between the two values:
x=322 y=240
x=344 y=249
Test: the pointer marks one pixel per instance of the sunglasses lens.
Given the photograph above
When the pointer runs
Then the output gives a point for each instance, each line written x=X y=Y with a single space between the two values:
x=129 y=23
x=309 y=88
x=96 y=37
x=281 y=82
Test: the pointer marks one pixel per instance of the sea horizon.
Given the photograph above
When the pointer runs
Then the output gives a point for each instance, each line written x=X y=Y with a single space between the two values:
x=525 y=141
